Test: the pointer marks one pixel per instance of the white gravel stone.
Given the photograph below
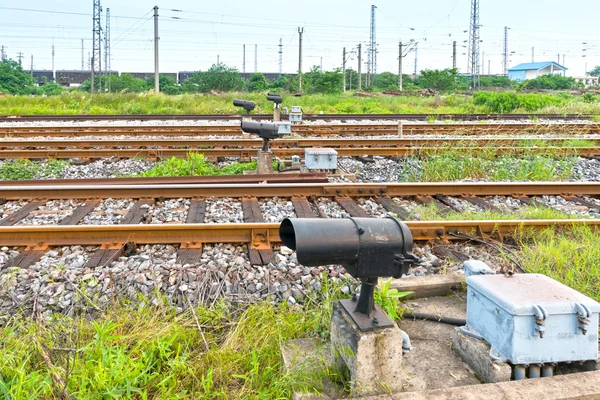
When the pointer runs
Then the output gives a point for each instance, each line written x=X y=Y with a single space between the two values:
x=223 y=211
x=11 y=207
x=51 y=213
x=109 y=212
x=276 y=210
x=107 y=169
x=331 y=209
x=171 y=211
x=373 y=209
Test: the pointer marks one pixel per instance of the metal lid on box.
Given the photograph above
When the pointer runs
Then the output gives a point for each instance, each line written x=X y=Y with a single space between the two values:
x=519 y=294
x=320 y=151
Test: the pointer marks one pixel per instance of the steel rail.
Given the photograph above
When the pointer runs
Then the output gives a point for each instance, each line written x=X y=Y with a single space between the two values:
x=306 y=177
x=286 y=142
x=194 y=234
x=337 y=129
x=156 y=154
x=287 y=190
x=310 y=117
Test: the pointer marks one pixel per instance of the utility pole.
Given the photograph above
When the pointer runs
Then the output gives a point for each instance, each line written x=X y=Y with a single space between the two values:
x=280 y=57
x=321 y=64
x=533 y=54
x=20 y=58
x=244 y=59
x=300 y=32
x=107 y=47
x=563 y=62
x=156 y=39
x=255 y=58
x=474 y=38
x=505 y=52
x=97 y=45
x=53 y=73
x=416 y=59
x=82 y=56
x=32 y=65
x=454 y=54
x=489 y=66
x=359 y=67
x=2 y=53
x=344 y=68
x=483 y=63
x=372 y=50
x=400 y=65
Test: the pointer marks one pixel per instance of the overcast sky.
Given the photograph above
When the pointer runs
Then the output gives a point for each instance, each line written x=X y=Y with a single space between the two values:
x=206 y=30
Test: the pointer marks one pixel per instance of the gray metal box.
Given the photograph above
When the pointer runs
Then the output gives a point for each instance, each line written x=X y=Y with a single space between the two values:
x=296 y=114
x=532 y=319
x=283 y=128
x=320 y=158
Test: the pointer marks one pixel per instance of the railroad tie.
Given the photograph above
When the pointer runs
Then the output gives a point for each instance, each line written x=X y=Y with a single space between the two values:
x=23 y=212
x=252 y=214
x=80 y=213
x=136 y=213
x=351 y=207
x=582 y=201
x=302 y=207
x=426 y=200
x=28 y=257
x=190 y=253
x=393 y=207
x=104 y=256
x=481 y=203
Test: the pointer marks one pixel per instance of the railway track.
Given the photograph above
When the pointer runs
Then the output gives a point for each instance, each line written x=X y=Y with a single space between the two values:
x=246 y=154
x=309 y=130
x=191 y=232
x=309 y=117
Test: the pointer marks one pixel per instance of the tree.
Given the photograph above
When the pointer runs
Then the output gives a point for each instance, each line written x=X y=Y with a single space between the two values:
x=437 y=79
x=318 y=81
x=218 y=77
x=13 y=79
x=385 y=81
x=495 y=82
x=257 y=82
x=550 y=82
x=595 y=71
x=167 y=84
x=287 y=83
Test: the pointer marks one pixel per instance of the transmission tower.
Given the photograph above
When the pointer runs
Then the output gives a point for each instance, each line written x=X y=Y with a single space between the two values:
x=96 y=44
x=474 y=39
x=107 y=43
x=505 y=53
x=373 y=41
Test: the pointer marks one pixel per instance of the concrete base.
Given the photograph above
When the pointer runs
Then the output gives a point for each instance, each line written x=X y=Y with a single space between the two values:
x=373 y=358
x=476 y=353
x=265 y=162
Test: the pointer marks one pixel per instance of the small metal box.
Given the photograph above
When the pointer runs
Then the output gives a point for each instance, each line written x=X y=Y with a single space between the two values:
x=284 y=128
x=532 y=319
x=296 y=114
x=320 y=158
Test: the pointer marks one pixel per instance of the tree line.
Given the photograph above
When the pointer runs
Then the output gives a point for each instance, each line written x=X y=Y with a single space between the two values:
x=220 y=77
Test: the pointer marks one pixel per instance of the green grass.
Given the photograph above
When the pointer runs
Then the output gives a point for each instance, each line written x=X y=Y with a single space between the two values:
x=451 y=165
x=344 y=103
x=431 y=212
x=569 y=143
x=151 y=352
x=196 y=165
x=571 y=256
x=26 y=169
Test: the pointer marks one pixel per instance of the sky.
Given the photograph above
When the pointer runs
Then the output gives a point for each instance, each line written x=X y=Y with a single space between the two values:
x=195 y=34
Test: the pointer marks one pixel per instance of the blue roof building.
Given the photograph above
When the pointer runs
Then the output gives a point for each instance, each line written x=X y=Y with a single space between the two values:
x=523 y=72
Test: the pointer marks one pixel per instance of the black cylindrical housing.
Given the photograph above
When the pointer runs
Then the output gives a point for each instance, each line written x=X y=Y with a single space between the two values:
x=267 y=129
x=366 y=247
x=245 y=104
x=275 y=98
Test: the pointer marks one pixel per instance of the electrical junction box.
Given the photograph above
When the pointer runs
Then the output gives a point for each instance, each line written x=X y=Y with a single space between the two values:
x=532 y=319
x=296 y=114
x=283 y=128
x=320 y=158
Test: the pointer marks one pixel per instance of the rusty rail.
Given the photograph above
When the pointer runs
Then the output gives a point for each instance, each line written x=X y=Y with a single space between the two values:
x=258 y=235
x=246 y=154
x=194 y=143
x=51 y=191
x=317 y=130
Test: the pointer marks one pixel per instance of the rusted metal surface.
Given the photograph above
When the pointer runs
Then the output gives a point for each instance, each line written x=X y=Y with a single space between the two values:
x=286 y=190
x=309 y=177
x=116 y=235
x=318 y=130
x=246 y=154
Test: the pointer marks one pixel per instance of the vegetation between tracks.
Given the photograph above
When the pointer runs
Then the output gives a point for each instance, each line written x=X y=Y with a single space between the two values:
x=344 y=103
x=196 y=165
x=27 y=169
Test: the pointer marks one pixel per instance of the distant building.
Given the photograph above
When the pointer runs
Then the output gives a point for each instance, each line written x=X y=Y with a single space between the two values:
x=587 y=80
x=523 y=72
